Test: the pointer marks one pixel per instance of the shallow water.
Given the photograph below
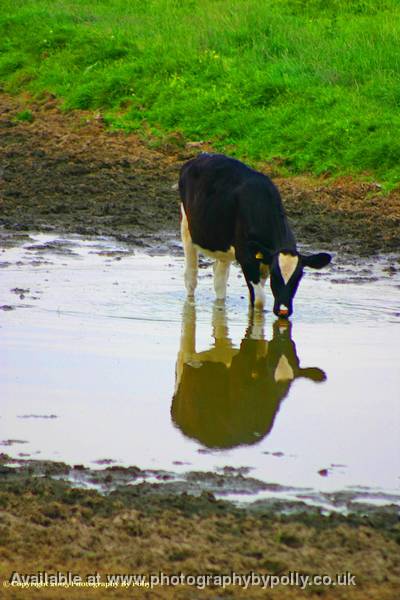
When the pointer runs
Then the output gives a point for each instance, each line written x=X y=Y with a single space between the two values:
x=102 y=358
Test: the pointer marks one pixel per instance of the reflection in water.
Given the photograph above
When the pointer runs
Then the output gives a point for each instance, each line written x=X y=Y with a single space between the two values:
x=227 y=396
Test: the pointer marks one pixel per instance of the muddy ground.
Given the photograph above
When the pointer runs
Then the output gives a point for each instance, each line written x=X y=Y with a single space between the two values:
x=47 y=525
x=65 y=172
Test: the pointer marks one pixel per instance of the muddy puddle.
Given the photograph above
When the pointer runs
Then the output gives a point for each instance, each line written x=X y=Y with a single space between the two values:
x=104 y=364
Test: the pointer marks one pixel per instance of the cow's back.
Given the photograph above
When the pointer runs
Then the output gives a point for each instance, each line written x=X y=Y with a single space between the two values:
x=219 y=192
x=208 y=188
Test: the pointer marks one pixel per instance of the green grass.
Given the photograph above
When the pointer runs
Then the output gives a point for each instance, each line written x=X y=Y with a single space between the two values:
x=25 y=115
x=307 y=85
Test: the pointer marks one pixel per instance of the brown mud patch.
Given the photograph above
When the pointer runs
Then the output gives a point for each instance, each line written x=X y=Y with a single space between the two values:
x=65 y=171
x=47 y=525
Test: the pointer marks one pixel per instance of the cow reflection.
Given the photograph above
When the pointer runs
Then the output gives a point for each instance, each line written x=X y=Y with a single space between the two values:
x=226 y=396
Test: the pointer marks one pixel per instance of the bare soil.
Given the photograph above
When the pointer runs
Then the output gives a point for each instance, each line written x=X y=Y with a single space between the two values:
x=65 y=171
x=47 y=525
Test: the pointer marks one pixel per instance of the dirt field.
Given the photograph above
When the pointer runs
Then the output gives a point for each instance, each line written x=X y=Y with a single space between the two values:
x=45 y=525
x=65 y=171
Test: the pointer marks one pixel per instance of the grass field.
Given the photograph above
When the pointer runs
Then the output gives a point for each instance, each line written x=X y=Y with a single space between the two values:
x=306 y=85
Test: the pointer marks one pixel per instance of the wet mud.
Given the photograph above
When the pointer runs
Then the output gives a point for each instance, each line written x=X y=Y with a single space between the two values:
x=67 y=172
x=227 y=482
x=148 y=528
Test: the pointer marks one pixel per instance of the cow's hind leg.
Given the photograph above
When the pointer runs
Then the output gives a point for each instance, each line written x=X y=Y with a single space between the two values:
x=221 y=274
x=191 y=257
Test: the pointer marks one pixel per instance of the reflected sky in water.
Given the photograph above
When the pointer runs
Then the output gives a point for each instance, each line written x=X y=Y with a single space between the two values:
x=102 y=339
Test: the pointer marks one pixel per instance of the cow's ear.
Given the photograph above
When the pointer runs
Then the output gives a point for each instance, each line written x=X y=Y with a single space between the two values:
x=316 y=261
x=313 y=373
x=260 y=252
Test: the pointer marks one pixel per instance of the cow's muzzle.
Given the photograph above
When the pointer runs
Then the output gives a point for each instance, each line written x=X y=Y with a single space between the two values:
x=282 y=311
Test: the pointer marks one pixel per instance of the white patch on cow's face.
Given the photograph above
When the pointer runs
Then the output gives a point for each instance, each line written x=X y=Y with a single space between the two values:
x=283 y=371
x=259 y=294
x=287 y=265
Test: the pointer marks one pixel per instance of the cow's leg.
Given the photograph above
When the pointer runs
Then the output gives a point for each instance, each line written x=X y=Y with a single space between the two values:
x=259 y=288
x=191 y=257
x=264 y=274
x=221 y=274
x=256 y=276
x=255 y=285
x=250 y=267
x=259 y=294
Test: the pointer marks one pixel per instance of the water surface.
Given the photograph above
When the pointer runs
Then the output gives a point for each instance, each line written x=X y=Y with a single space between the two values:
x=102 y=358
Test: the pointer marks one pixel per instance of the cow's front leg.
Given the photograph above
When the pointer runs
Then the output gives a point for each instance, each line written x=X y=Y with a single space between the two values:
x=221 y=274
x=259 y=290
x=191 y=257
x=258 y=294
x=264 y=273
x=255 y=284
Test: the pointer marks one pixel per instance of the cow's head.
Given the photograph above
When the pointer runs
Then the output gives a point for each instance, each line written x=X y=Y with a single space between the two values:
x=286 y=270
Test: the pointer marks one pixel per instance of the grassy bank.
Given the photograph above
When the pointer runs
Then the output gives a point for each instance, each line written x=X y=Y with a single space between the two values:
x=309 y=86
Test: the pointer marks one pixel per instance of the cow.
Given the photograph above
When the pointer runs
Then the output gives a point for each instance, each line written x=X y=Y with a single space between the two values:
x=230 y=211
x=226 y=396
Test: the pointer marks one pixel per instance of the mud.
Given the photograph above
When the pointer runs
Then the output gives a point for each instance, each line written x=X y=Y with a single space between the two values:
x=227 y=482
x=48 y=525
x=67 y=172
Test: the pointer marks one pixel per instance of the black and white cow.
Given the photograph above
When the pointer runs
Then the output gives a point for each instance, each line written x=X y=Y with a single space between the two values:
x=230 y=211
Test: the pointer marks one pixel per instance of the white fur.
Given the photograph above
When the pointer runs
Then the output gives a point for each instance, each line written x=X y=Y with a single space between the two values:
x=287 y=265
x=221 y=274
x=264 y=273
x=228 y=256
x=221 y=266
x=259 y=294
